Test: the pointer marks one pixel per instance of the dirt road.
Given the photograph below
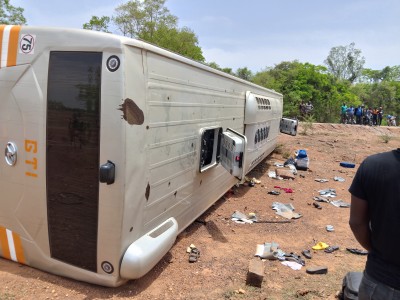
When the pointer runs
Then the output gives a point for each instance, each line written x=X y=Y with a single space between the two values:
x=227 y=247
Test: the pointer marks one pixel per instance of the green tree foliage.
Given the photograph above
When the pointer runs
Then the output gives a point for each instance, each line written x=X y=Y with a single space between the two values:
x=151 y=21
x=306 y=82
x=10 y=14
x=217 y=67
x=345 y=62
x=98 y=24
x=244 y=73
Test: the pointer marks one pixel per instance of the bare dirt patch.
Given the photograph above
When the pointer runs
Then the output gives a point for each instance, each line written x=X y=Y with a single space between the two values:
x=227 y=247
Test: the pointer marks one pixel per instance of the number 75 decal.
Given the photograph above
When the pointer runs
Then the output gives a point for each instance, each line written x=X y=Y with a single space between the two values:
x=27 y=43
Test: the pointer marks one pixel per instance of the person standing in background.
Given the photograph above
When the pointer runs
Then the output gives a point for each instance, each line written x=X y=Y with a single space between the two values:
x=380 y=116
x=343 y=113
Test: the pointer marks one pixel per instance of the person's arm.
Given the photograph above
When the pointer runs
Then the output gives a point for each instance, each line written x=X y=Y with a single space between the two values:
x=359 y=221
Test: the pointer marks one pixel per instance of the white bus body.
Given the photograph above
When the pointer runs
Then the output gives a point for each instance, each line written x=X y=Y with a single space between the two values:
x=113 y=146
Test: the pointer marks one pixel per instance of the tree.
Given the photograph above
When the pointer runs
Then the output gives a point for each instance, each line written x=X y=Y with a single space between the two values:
x=10 y=14
x=151 y=21
x=141 y=19
x=217 y=67
x=182 y=41
x=98 y=24
x=244 y=73
x=345 y=62
x=306 y=82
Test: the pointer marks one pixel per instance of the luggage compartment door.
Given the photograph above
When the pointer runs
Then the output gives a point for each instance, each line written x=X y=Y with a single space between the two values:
x=232 y=153
x=288 y=126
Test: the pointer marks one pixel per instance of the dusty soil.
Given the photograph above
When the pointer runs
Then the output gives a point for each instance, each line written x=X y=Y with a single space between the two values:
x=227 y=247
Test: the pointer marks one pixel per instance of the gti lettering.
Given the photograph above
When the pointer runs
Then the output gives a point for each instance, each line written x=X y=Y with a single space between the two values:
x=32 y=162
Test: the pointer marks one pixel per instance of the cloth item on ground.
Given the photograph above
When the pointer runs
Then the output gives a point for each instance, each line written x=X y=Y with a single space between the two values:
x=292 y=264
x=286 y=190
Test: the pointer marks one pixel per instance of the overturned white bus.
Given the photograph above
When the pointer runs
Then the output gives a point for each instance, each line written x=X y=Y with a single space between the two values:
x=113 y=146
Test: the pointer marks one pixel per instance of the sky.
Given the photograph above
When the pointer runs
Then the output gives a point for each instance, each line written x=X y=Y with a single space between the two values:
x=258 y=33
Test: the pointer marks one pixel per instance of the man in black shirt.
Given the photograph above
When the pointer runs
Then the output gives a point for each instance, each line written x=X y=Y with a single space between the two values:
x=375 y=222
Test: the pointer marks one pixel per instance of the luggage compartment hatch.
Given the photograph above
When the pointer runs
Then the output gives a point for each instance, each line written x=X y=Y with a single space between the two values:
x=232 y=151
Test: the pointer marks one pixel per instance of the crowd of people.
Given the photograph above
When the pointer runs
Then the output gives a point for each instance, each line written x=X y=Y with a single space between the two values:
x=305 y=108
x=363 y=115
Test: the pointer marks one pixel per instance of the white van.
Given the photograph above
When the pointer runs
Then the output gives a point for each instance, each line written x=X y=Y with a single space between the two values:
x=113 y=146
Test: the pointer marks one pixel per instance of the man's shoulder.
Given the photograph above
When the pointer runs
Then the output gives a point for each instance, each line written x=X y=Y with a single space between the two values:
x=388 y=156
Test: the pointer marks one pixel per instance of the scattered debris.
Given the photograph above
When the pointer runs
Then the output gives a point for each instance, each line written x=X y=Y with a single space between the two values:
x=357 y=251
x=306 y=253
x=321 y=180
x=317 y=270
x=286 y=190
x=346 y=164
x=338 y=178
x=331 y=249
x=269 y=251
x=194 y=253
x=273 y=192
x=292 y=264
x=316 y=205
x=328 y=192
x=279 y=165
x=320 y=246
x=321 y=199
x=302 y=160
x=340 y=203
x=295 y=258
x=241 y=218
x=285 y=174
x=285 y=210
x=330 y=228
x=272 y=174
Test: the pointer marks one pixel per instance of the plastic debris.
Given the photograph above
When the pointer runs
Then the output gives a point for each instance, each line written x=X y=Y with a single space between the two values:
x=328 y=192
x=285 y=210
x=321 y=199
x=320 y=246
x=273 y=192
x=241 y=218
x=269 y=251
x=340 y=179
x=330 y=228
x=346 y=164
x=279 y=165
x=340 y=203
x=290 y=161
x=272 y=174
x=321 y=180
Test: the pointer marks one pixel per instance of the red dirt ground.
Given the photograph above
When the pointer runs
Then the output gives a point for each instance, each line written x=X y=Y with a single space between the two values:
x=227 y=247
